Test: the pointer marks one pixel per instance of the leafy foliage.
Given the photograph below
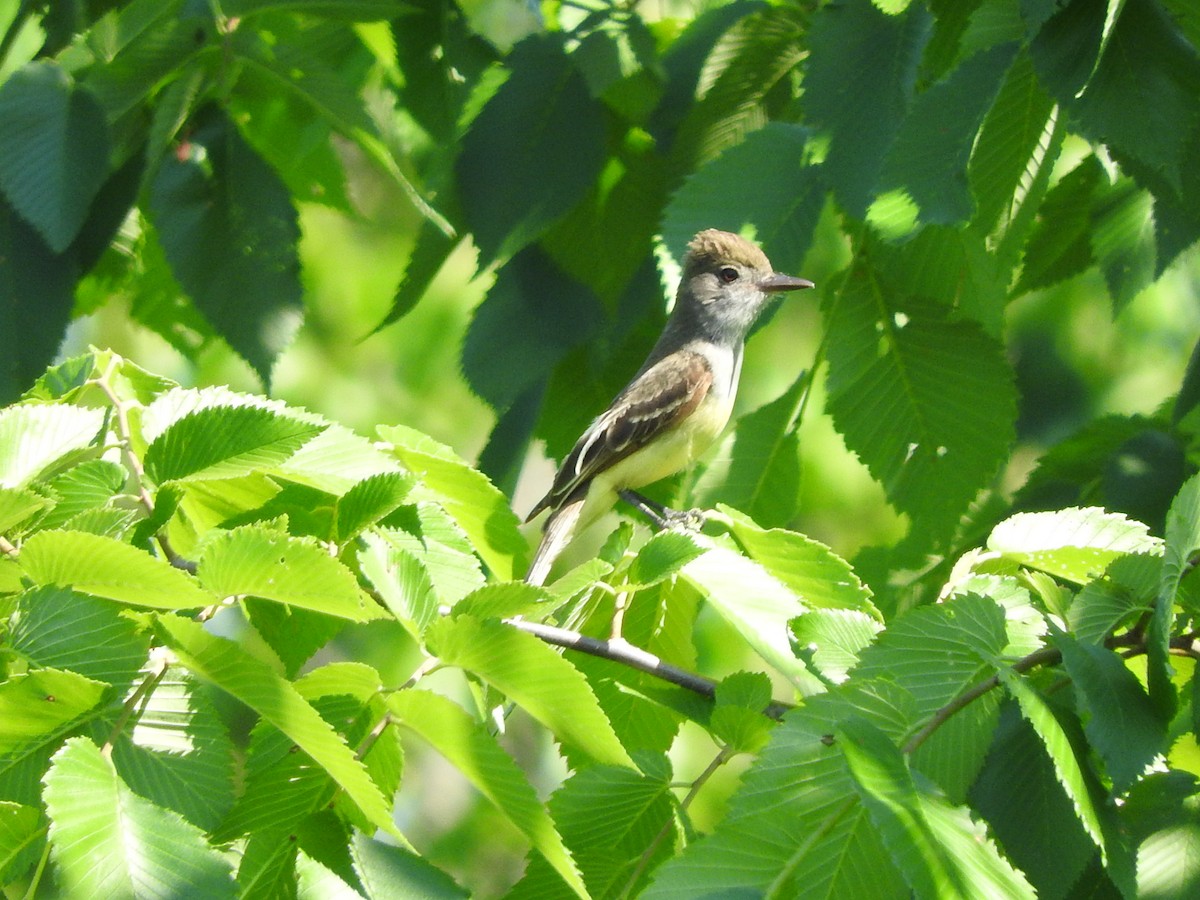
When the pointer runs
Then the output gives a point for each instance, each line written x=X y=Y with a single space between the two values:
x=999 y=697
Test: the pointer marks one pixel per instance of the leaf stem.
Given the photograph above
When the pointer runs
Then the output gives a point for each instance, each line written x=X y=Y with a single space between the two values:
x=138 y=697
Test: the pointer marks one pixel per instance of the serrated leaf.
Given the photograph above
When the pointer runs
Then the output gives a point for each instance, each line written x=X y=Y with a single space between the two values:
x=260 y=562
x=546 y=132
x=389 y=871
x=1077 y=544
x=1127 y=590
x=178 y=753
x=927 y=402
x=850 y=43
x=662 y=556
x=17 y=506
x=367 y=502
x=1182 y=542
x=90 y=485
x=831 y=640
x=1067 y=768
x=929 y=157
x=56 y=628
x=533 y=675
x=509 y=598
x=1060 y=245
x=935 y=653
x=35 y=437
x=475 y=753
x=780 y=204
x=401 y=581
x=478 y=507
x=817 y=575
x=1118 y=717
x=37 y=294
x=109 y=568
x=53 y=149
x=108 y=841
x=21 y=831
x=756 y=604
x=795 y=826
x=40 y=705
x=1124 y=241
x=252 y=682
x=916 y=827
x=225 y=442
x=230 y=232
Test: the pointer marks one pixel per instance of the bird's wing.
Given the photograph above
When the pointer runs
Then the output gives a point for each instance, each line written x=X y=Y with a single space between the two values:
x=659 y=399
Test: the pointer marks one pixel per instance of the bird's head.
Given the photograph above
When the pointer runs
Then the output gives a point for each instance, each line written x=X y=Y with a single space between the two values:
x=726 y=283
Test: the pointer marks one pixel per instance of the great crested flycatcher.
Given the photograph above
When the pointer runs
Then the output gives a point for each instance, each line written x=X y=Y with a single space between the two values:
x=677 y=403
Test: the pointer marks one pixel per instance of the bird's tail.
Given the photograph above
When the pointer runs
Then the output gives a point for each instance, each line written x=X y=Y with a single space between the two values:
x=559 y=530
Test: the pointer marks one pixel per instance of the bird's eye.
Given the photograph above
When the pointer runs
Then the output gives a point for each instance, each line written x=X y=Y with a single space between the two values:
x=728 y=275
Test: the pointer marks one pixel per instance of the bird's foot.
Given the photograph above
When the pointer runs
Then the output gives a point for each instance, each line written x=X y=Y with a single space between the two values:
x=663 y=517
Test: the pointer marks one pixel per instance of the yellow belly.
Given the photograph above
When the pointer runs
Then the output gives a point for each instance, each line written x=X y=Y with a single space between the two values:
x=670 y=452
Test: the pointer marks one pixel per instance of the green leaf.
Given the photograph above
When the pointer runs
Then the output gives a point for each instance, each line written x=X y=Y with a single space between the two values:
x=257 y=561
x=225 y=442
x=1061 y=244
x=817 y=575
x=1040 y=815
x=367 y=502
x=349 y=10
x=230 y=232
x=389 y=871
x=830 y=641
x=929 y=158
x=475 y=753
x=179 y=754
x=57 y=628
x=795 y=826
x=1118 y=717
x=509 y=598
x=544 y=131
x=1067 y=768
x=917 y=827
x=109 y=568
x=88 y=486
x=1007 y=141
x=1127 y=590
x=662 y=556
x=780 y=205
x=1139 y=97
x=472 y=501
x=959 y=640
x=1182 y=542
x=533 y=675
x=21 y=833
x=756 y=604
x=428 y=534
x=34 y=438
x=40 y=705
x=401 y=581
x=53 y=150
x=926 y=402
x=18 y=506
x=851 y=43
x=108 y=841
x=532 y=315
x=226 y=665
x=1124 y=241
x=1075 y=544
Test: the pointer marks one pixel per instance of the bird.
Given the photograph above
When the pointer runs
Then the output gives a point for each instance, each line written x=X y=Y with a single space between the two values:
x=677 y=403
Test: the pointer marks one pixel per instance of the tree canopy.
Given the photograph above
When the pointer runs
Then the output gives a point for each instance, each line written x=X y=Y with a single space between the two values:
x=298 y=296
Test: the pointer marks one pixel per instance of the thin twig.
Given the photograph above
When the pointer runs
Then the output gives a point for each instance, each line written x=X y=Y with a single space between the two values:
x=136 y=699
x=625 y=653
x=719 y=760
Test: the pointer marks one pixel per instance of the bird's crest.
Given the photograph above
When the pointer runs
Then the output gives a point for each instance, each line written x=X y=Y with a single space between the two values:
x=712 y=248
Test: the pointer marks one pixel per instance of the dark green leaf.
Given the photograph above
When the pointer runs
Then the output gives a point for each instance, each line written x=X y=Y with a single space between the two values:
x=1061 y=244
x=230 y=232
x=532 y=151
x=929 y=157
x=21 y=834
x=531 y=317
x=53 y=150
x=852 y=43
x=927 y=402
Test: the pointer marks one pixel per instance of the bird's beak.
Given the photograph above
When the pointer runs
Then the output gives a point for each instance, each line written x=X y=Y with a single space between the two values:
x=776 y=282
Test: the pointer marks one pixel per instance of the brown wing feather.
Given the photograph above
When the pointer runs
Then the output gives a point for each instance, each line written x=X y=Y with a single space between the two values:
x=661 y=397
